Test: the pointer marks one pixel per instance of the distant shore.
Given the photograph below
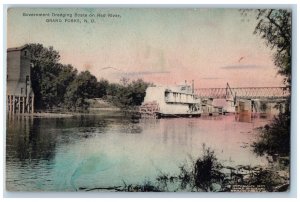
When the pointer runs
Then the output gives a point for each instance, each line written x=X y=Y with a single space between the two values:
x=46 y=115
x=96 y=107
x=67 y=114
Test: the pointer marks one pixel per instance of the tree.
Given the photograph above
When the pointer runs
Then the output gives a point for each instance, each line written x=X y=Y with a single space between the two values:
x=124 y=81
x=81 y=88
x=43 y=73
x=128 y=94
x=275 y=137
x=65 y=77
x=102 y=88
x=138 y=91
x=275 y=27
x=207 y=170
x=112 y=89
x=58 y=85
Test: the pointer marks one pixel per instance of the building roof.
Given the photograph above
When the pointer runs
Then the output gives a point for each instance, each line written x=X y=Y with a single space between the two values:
x=17 y=48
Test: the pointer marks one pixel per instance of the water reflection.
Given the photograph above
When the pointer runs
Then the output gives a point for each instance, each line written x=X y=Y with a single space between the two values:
x=253 y=117
x=28 y=140
x=64 y=154
x=31 y=138
x=244 y=117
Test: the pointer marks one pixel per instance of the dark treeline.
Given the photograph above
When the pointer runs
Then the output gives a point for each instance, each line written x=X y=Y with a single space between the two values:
x=57 y=85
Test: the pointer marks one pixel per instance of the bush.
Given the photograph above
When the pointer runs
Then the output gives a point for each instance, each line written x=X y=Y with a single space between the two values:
x=207 y=170
x=275 y=137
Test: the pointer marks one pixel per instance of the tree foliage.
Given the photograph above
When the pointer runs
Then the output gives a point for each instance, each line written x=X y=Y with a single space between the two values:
x=275 y=27
x=206 y=170
x=43 y=73
x=58 y=85
x=275 y=137
x=63 y=81
x=80 y=89
x=128 y=94
x=102 y=88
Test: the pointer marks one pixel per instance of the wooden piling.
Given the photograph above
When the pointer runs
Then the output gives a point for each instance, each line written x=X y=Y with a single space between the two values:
x=8 y=104
x=23 y=104
x=13 y=104
x=32 y=104
x=19 y=104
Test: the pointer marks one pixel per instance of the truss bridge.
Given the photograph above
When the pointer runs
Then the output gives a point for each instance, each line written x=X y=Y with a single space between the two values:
x=243 y=93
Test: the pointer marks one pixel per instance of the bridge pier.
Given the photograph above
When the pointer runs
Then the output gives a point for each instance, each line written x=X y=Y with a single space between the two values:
x=250 y=99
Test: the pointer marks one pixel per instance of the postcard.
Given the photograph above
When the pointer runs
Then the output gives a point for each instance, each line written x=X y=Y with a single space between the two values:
x=138 y=99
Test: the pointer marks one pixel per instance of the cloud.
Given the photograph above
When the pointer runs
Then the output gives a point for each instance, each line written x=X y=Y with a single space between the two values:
x=241 y=67
x=211 y=78
x=143 y=73
x=104 y=68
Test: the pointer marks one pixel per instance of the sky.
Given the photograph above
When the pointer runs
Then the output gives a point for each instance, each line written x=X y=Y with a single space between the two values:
x=160 y=45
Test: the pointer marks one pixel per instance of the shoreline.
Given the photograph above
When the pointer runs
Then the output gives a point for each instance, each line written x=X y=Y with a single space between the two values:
x=44 y=115
x=67 y=114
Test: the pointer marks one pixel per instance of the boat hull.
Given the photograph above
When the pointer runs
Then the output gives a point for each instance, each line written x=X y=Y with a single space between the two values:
x=162 y=115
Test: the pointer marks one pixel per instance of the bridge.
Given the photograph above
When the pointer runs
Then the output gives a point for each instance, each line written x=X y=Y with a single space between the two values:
x=243 y=93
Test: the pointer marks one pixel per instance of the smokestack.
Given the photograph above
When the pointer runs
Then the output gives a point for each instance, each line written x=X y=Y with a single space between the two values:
x=192 y=86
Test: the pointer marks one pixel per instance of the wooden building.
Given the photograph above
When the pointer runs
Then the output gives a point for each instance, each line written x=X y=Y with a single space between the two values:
x=20 y=97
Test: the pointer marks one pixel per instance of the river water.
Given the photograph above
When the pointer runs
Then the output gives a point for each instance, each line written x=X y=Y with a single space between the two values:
x=90 y=151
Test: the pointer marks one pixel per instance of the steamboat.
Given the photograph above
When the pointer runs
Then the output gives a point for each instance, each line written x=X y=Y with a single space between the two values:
x=171 y=101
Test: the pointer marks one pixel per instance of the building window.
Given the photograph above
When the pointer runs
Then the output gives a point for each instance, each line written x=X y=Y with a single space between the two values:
x=22 y=91
x=25 y=53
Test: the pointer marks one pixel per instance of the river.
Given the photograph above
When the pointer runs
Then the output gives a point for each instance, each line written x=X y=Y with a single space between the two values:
x=90 y=151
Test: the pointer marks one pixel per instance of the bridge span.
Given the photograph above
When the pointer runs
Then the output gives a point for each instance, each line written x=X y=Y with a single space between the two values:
x=243 y=93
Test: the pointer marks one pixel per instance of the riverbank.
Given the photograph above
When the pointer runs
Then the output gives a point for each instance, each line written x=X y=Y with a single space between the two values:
x=111 y=112
x=97 y=107
x=46 y=115
x=206 y=174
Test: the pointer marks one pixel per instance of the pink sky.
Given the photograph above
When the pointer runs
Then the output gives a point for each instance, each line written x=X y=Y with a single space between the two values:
x=163 y=46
